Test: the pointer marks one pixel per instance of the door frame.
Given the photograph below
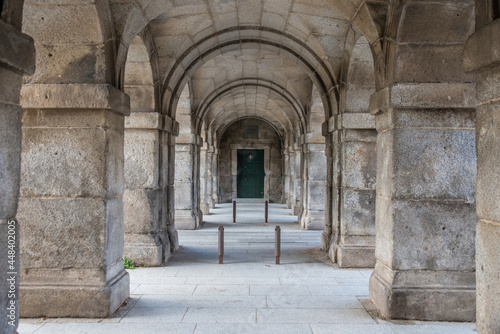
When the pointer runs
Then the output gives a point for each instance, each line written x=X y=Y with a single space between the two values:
x=267 y=165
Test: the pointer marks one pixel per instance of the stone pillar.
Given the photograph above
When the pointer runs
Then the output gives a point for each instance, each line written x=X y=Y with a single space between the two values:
x=330 y=235
x=210 y=178
x=168 y=174
x=188 y=215
x=215 y=177
x=297 y=183
x=17 y=57
x=314 y=183
x=204 y=205
x=146 y=235
x=291 y=178
x=71 y=204
x=482 y=56
x=425 y=212
x=286 y=177
x=358 y=165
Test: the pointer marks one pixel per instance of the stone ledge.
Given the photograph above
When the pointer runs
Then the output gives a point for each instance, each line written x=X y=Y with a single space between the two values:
x=189 y=139
x=18 y=49
x=75 y=96
x=424 y=96
x=152 y=121
x=475 y=61
x=357 y=121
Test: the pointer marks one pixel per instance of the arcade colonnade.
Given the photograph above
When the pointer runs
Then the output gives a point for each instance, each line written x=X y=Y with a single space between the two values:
x=120 y=121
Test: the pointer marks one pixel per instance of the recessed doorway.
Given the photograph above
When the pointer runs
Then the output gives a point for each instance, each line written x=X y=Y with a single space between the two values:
x=250 y=177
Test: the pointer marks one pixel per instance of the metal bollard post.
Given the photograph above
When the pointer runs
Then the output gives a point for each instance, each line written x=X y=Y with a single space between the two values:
x=267 y=210
x=221 y=244
x=277 y=244
x=234 y=211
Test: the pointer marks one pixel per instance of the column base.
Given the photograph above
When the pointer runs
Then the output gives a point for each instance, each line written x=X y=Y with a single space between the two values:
x=313 y=220
x=144 y=250
x=74 y=300
x=186 y=220
x=423 y=294
x=356 y=256
x=296 y=210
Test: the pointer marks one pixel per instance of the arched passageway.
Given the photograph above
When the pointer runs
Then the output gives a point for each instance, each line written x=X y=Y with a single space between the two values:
x=362 y=96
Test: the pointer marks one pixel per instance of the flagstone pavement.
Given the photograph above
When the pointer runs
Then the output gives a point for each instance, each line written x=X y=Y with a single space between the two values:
x=249 y=293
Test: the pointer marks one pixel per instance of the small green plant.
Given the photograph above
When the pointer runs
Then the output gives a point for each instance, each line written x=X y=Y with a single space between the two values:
x=128 y=264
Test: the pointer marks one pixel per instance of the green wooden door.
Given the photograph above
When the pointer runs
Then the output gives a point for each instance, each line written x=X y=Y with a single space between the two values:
x=250 y=180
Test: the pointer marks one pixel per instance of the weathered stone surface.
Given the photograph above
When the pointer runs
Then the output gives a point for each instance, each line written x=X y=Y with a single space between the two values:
x=76 y=155
x=488 y=268
x=358 y=121
x=59 y=300
x=430 y=63
x=75 y=96
x=47 y=222
x=144 y=249
x=141 y=158
x=427 y=163
x=456 y=22
x=489 y=56
x=10 y=158
x=141 y=209
x=488 y=192
x=423 y=96
x=437 y=294
x=358 y=212
x=359 y=169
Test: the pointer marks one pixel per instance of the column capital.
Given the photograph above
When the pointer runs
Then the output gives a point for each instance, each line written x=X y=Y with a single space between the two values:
x=152 y=121
x=189 y=139
x=424 y=96
x=75 y=96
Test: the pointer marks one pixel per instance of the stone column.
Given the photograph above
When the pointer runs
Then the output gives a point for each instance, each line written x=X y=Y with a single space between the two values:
x=215 y=176
x=425 y=212
x=330 y=235
x=482 y=56
x=168 y=175
x=146 y=235
x=71 y=204
x=291 y=178
x=314 y=183
x=297 y=183
x=17 y=57
x=188 y=215
x=210 y=177
x=358 y=165
x=286 y=174
x=204 y=205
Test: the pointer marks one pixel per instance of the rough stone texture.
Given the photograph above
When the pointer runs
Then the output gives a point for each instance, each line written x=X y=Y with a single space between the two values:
x=356 y=243
x=486 y=65
x=71 y=203
x=425 y=213
x=312 y=215
x=17 y=57
x=291 y=64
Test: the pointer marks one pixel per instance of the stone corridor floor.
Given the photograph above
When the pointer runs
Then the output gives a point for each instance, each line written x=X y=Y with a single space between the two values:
x=248 y=293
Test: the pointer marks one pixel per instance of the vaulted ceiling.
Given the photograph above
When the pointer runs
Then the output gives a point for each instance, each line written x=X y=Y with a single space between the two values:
x=246 y=58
